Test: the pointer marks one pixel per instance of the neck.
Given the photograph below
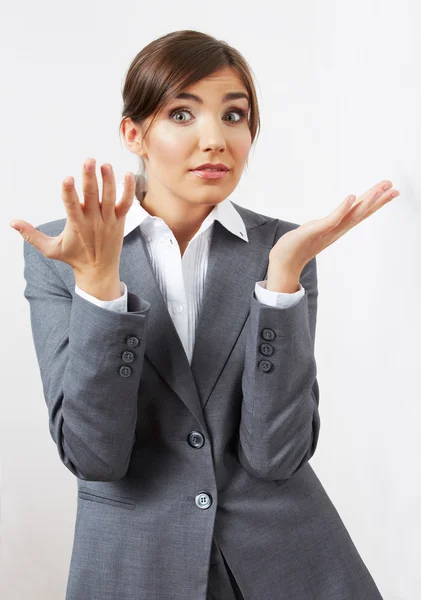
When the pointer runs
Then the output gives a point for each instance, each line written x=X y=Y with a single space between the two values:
x=183 y=219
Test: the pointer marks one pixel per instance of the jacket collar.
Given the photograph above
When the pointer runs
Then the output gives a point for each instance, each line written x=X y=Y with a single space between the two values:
x=224 y=212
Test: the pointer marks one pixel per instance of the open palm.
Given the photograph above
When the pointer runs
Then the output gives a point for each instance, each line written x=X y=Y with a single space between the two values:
x=298 y=246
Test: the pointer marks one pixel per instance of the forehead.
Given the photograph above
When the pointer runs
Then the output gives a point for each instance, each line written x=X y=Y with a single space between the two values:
x=224 y=81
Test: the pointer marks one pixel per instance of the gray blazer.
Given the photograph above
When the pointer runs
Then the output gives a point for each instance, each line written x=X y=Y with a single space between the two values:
x=168 y=455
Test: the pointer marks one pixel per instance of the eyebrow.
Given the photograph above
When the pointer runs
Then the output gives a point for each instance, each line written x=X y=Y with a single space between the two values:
x=226 y=98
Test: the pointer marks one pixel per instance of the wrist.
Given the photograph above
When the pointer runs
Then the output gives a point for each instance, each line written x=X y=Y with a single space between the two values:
x=101 y=287
x=282 y=280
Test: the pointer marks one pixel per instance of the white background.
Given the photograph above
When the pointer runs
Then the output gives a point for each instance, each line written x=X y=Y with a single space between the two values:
x=339 y=85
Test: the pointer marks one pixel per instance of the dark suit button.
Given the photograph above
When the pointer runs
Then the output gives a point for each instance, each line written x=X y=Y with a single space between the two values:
x=268 y=334
x=128 y=356
x=132 y=341
x=196 y=439
x=125 y=371
x=266 y=349
x=265 y=366
x=203 y=500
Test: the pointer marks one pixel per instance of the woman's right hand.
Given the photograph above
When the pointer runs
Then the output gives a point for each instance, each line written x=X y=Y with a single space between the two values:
x=92 y=239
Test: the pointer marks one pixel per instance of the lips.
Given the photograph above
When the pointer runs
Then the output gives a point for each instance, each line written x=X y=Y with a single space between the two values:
x=219 y=166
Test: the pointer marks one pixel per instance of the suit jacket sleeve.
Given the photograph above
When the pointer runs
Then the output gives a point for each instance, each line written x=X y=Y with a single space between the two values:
x=280 y=422
x=91 y=401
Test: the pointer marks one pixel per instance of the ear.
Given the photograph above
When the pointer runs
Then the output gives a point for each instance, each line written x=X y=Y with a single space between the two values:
x=133 y=137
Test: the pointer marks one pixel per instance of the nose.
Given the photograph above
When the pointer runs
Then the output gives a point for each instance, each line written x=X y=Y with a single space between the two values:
x=211 y=136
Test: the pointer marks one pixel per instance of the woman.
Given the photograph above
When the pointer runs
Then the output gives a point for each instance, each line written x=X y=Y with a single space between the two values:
x=175 y=338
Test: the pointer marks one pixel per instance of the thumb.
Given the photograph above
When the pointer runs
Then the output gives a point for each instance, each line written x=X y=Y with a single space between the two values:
x=18 y=225
x=32 y=235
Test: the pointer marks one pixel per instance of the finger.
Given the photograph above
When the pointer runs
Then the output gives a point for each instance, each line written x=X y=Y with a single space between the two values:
x=343 y=207
x=90 y=189
x=375 y=192
x=350 y=207
x=108 y=192
x=363 y=209
x=36 y=238
x=349 y=212
x=123 y=207
x=379 y=200
x=335 y=217
x=360 y=211
x=71 y=200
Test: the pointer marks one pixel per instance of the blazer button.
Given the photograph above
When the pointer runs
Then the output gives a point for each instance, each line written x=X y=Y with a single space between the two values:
x=128 y=356
x=125 y=371
x=196 y=439
x=268 y=334
x=265 y=366
x=203 y=500
x=132 y=341
x=266 y=349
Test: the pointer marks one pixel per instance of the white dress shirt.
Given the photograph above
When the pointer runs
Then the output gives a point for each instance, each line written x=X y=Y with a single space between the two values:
x=181 y=279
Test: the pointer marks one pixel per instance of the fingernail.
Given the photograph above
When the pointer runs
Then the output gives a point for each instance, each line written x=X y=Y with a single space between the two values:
x=89 y=165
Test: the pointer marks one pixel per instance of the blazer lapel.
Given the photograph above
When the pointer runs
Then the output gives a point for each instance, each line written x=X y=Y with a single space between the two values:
x=165 y=350
x=233 y=268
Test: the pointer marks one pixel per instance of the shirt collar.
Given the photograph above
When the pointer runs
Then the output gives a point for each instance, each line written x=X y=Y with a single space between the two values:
x=224 y=212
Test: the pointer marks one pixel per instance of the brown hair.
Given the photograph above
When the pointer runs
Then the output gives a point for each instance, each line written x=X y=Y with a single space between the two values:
x=171 y=63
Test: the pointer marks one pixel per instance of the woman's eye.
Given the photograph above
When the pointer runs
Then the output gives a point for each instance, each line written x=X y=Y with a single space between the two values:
x=232 y=112
x=179 y=111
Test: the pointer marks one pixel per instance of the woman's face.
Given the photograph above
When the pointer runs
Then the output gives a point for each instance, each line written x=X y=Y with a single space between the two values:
x=188 y=133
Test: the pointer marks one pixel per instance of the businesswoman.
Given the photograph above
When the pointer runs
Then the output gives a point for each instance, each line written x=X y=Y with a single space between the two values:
x=174 y=332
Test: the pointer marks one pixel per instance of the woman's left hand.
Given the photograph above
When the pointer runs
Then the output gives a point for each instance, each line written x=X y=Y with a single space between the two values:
x=298 y=246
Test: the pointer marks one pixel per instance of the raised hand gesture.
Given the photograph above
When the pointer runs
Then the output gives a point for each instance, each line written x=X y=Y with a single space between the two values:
x=297 y=247
x=92 y=238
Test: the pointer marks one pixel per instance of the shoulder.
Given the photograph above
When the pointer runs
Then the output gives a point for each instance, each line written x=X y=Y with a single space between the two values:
x=253 y=217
